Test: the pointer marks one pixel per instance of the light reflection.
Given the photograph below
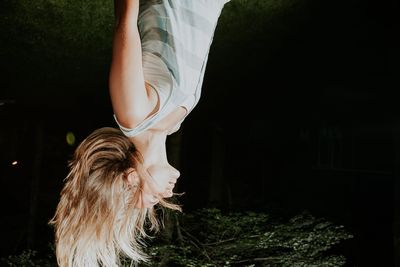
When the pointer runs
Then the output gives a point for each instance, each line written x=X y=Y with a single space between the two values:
x=70 y=137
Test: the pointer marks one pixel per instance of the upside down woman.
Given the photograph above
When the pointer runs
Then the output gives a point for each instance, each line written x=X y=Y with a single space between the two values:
x=118 y=175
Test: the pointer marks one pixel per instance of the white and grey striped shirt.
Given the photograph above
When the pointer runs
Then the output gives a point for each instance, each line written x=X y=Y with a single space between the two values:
x=176 y=36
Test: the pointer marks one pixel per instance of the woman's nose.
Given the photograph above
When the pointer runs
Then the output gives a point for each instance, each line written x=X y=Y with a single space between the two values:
x=175 y=174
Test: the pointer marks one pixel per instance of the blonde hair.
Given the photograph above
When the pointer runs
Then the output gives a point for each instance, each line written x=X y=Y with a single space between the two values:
x=97 y=218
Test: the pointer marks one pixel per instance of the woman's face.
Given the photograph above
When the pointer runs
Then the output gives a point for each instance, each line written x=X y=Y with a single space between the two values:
x=160 y=184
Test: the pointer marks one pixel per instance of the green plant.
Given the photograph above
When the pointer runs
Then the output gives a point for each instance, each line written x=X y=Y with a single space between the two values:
x=210 y=238
x=30 y=258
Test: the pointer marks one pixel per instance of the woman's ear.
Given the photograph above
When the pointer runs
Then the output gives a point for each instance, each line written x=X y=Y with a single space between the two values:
x=132 y=178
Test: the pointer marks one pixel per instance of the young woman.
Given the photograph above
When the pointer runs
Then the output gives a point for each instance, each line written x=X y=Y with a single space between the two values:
x=160 y=51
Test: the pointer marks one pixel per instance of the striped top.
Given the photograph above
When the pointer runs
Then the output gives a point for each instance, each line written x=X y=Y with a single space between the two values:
x=176 y=36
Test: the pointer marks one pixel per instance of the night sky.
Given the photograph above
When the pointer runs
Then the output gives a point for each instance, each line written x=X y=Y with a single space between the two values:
x=298 y=112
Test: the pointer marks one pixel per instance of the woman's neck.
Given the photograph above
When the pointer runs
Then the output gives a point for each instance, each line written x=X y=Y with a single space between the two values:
x=152 y=145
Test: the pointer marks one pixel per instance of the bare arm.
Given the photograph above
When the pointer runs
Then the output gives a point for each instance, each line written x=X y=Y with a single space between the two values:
x=131 y=99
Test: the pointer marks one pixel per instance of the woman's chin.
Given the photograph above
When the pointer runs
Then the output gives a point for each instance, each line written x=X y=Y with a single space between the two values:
x=148 y=201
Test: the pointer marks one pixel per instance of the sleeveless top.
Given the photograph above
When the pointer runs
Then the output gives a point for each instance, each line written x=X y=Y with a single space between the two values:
x=176 y=36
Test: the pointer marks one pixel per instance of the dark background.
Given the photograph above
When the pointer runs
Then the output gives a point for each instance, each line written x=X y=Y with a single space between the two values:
x=298 y=112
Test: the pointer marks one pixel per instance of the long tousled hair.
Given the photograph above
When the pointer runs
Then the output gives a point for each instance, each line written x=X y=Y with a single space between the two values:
x=97 y=218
